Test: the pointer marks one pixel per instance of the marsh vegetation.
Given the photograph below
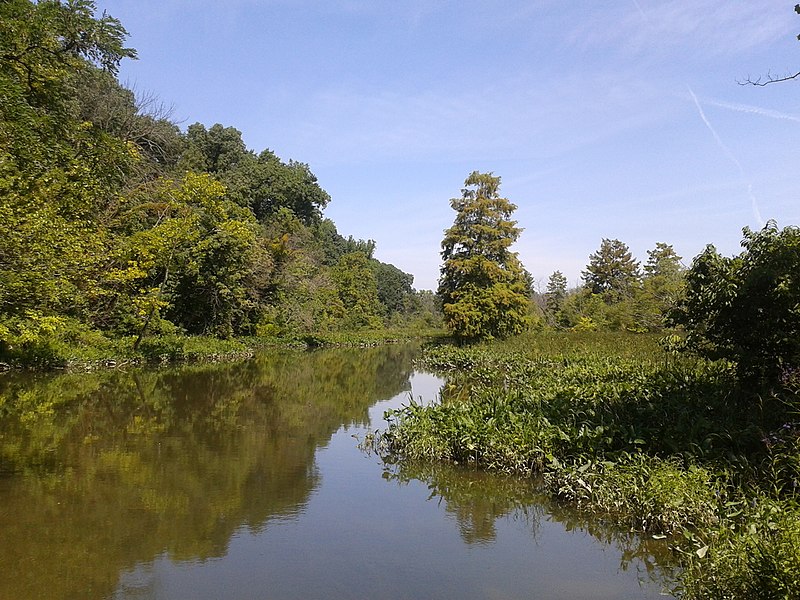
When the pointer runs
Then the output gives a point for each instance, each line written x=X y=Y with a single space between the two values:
x=618 y=427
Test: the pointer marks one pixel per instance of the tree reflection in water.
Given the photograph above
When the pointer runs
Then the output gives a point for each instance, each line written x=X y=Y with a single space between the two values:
x=102 y=472
x=477 y=500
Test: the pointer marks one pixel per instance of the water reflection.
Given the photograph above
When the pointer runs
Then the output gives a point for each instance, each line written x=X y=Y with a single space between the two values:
x=478 y=501
x=102 y=472
x=243 y=481
x=475 y=499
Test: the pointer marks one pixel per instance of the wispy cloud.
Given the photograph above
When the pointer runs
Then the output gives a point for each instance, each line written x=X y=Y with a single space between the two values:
x=717 y=27
x=513 y=118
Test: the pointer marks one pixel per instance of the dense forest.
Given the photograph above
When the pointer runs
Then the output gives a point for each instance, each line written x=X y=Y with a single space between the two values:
x=115 y=224
x=118 y=228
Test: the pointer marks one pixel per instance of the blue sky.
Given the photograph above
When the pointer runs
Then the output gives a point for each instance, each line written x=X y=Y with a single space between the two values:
x=619 y=119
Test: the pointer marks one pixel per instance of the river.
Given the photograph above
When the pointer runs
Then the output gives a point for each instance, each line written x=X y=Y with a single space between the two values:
x=245 y=481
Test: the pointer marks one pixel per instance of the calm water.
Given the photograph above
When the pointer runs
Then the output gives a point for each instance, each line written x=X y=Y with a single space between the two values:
x=245 y=481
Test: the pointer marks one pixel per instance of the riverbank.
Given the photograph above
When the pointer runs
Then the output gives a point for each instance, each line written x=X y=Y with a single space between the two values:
x=617 y=426
x=91 y=350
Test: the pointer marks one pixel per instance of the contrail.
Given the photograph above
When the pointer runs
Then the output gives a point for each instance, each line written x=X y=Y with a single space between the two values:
x=754 y=110
x=641 y=12
x=729 y=154
x=737 y=107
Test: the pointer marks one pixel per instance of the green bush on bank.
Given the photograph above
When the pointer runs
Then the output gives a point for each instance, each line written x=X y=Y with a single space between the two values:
x=56 y=343
x=644 y=492
x=44 y=343
x=757 y=556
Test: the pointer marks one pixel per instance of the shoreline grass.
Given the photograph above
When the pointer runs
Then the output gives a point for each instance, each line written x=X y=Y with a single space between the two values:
x=87 y=350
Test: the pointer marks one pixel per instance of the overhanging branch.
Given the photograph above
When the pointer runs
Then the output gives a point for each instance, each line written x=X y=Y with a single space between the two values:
x=762 y=81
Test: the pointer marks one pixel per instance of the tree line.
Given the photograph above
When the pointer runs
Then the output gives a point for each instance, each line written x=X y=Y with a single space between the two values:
x=617 y=292
x=745 y=309
x=115 y=222
x=486 y=291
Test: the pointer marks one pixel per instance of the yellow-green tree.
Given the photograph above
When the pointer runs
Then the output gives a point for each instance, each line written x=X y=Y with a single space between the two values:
x=59 y=173
x=482 y=283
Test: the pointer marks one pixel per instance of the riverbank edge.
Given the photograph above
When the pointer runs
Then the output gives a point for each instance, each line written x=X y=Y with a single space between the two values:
x=113 y=353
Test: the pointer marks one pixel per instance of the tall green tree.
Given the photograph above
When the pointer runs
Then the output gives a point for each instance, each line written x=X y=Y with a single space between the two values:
x=556 y=293
x=482 y=284
x=262 y=182
x=216 y=150
x=357 y=291
x=393 y=285
x=612 y=271
x=191 y=259
x=58 y=174
x=662 y=286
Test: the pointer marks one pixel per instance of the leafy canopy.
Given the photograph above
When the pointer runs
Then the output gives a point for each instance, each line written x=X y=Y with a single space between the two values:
x=612 y=271
x=746 y=308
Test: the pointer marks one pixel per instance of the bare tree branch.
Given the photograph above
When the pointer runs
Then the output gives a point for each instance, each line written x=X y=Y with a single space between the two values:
x=770 y=78
x=762 y=81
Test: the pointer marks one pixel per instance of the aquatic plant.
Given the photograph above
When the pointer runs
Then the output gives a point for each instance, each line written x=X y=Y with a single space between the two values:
x=619 y=426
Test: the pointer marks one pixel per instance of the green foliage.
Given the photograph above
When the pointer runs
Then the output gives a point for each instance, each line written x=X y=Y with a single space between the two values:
x=43 y=40
x=758 y=559
x=217 y=150
x=612 y=271
x=747 y=308
x=30 y=339
x=579 y=404
x=261 y=182
x=583 y=310
x=33 y=340
x=301 y=295
x=643 y=491
x=210 y=293
x=662 y=287
x=58 y=174
x=555 y=295
x=482 y=284
x=421 y=310
x=113 y=220
x=615 y=296
x=393 y=286
x=357 y=291
x=142 y=123
x=185 y=254
x=333 y=245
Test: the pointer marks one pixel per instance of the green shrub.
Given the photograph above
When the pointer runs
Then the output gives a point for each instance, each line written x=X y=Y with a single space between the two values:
x=758 y=559
x=725 y=297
